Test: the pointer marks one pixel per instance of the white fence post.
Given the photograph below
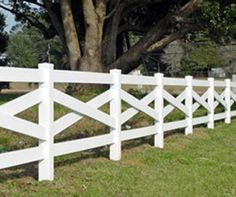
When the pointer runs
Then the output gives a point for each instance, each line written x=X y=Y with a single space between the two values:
x=228 y=101
x=234 y=80
x=159 y=106
x=115 y=112
x=189 y=105
x=211 y=102
x=46 y=116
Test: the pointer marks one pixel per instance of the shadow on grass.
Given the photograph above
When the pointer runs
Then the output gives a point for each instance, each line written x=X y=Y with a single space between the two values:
x=31 y=169
x=20 y=171
x=6 y=97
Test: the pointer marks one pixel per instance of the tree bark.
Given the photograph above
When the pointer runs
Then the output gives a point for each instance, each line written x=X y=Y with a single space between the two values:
x=110 y=37
x=94 y=21
x=71 y=37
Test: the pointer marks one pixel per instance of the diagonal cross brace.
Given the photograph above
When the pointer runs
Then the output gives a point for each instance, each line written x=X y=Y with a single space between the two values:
x=219 y=99
x=22 y=126
x=22 y=103
x=129 y=113
x=169 y=108
x=82 y=108
x=196 y=105
x=173 y=101
x=71 y=118
x=233 y=96
x=201 y=100
x=139 y=105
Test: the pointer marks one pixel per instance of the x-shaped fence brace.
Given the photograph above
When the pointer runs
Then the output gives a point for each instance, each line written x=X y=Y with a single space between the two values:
x=79 y=109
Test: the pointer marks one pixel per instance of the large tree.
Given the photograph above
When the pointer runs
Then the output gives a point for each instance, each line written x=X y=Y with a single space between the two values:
x=93 y=32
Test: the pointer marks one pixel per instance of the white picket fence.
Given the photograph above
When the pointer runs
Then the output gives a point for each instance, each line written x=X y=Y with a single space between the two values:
x=187 y=102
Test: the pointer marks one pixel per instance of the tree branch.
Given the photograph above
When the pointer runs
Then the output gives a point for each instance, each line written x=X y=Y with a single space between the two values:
x=130 y=59
x=112 y=12
x=33 y=21
x=170 y=38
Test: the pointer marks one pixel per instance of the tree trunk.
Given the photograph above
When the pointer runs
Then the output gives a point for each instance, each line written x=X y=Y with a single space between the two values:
x=110 y=37
x=94 y=21
x=92 y=54
x=71 y=37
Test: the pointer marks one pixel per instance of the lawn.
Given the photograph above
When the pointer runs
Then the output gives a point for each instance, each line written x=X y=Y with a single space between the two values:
x=200 y=165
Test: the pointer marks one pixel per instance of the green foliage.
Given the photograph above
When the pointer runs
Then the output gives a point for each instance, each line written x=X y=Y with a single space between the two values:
x=27 y=47
x=219 y=18
x=201 y=57
x=21 y=51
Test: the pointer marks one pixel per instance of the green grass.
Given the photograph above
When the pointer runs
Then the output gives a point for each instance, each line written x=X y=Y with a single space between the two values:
x=200 y=165
x=203 y=164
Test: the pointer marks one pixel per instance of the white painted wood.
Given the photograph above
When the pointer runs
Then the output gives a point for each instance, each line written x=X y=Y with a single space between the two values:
x=22 y=103
x=220 y=99
x=131 y=112
x=220 y=116
x=170 y=81
x=73 y=146
x=200 y=120
x=211 y=101
x=64 y=122
x=200 y=100
x=159 y=106
x=128 y=98
x=189 y=104
x=115 y=112
x=46 y=118
x=196 y=105
x=231 y=102
x=233 y=96
x=82 y=108
x=172 y=100
x=219 y=84
x=137 y=80
x=71 y=118
x=200 y=83
x=21 y=126
x=175 y=125
x=138 y=133
x=228 y=101
x=11 y=74
x=15 y=158
x=233 y=83
x=169 y=108
x=233 y=113
x=61 y=76
x=222 y=96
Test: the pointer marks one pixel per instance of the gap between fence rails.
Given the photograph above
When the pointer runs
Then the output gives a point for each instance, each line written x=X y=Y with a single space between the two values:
x=187 y=102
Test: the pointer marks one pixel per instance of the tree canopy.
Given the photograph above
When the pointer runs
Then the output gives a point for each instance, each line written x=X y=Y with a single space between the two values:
x=93 y=32
x=27 y=48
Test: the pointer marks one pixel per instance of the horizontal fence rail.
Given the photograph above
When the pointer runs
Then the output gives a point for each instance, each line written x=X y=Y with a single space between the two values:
x=157 y=104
